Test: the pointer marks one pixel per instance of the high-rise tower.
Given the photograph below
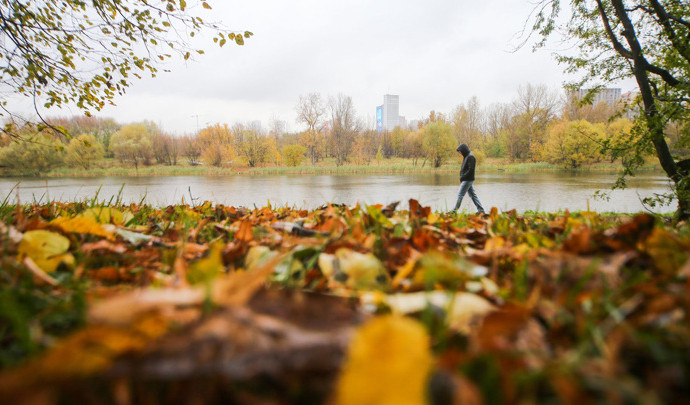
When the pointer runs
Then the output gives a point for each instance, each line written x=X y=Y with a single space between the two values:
x=391 y=111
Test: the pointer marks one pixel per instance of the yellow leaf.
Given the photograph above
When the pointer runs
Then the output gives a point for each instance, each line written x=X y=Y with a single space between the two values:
x=107 y=215
x=81 y=225
x=47 y=249
x=207 y=268
x=406 y=269
x=444 y=268
x=257 y=255
x=666 y=250
x=206 y=6
x=388 y=363
x=362 y=270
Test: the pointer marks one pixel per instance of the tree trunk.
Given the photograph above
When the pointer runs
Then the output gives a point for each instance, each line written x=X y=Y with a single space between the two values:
x=654 y=122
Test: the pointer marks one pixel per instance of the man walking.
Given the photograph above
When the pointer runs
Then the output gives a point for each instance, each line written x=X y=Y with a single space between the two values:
x=467 y=178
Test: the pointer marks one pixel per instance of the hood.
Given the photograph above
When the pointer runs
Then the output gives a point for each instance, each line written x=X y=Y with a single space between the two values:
x=464 y=149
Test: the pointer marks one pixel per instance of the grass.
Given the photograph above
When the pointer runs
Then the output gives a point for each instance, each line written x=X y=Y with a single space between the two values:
x=110 y=167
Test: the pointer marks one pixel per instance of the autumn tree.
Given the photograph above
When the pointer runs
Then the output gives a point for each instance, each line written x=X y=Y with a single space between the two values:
x=252 y=147
x=400 y=142
x=190 y=148
x=74 y=53
x=83 y=151
x=648 y=40
x=293 y=155
x=576 y=109
x=620 y=134
x=32 y=154
x=415 y=146
x=166 y=148
x=364 y=147
x=311 y=111
x=133 y=143
x=101 y=128
x=572 y=144
x=439 y=142
x=216 y=145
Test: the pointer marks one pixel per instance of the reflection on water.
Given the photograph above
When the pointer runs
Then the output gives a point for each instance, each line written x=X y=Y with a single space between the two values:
x=522 y=191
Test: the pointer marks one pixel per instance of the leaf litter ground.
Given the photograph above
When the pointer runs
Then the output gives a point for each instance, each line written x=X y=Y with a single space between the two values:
x=344 y=305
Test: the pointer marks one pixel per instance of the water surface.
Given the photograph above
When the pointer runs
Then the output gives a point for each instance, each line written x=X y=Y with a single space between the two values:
x=545 y=191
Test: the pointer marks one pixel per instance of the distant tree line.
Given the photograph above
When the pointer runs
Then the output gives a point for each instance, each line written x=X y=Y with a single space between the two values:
x=538 y=126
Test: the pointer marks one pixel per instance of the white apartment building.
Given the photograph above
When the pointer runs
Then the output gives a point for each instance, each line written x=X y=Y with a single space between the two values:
x=610 y=96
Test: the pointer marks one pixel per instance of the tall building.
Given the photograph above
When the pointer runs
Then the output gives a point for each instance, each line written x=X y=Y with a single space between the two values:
x=379 y=118
x=609 y=96
x=389 y=113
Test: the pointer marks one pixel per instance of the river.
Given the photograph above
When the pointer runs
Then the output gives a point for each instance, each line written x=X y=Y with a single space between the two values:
x=538 y=191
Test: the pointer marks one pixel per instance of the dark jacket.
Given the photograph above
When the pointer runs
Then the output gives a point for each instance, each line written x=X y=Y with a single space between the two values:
x=468 y=163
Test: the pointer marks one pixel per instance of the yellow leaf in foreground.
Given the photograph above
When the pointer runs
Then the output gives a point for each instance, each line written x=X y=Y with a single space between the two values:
x=81 y=225
x=389 y=363
x=47 y=249
x=667 y=252
x=207 y=268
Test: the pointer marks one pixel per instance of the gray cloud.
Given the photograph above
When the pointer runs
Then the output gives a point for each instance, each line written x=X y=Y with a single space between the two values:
x=434 y=54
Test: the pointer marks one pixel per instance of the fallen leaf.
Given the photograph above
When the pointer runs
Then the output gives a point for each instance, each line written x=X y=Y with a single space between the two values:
x=388 y=363
x=81 y=225
x=47 y=249
x=206 y=269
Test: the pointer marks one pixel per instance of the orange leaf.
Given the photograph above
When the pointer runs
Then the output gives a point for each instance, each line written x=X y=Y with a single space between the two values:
x=245 y=233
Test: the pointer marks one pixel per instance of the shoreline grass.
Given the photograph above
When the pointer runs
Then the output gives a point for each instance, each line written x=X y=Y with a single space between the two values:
x=392 y=166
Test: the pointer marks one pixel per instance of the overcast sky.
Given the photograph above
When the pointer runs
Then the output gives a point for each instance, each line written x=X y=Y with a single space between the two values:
x=434 y=54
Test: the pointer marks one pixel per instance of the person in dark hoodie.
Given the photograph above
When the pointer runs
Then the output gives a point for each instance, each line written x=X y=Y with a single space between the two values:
x=467 y=178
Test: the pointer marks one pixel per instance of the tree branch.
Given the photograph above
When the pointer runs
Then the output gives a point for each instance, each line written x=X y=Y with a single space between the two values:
x=609 y=31
x=664 y=20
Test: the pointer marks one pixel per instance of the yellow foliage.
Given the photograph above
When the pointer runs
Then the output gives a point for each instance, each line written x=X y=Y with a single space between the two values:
x=47 y=249
x=356 y=270
x=388 y=363
x=442 y=268
x=81 y=225
x=207 y=268
x=106 y=215
x=668 y=253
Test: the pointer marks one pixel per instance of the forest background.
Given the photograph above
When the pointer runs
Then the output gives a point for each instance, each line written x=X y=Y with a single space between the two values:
x=540 y=129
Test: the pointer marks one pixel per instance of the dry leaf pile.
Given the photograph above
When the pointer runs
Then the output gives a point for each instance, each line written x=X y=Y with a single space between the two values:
x=342 y=305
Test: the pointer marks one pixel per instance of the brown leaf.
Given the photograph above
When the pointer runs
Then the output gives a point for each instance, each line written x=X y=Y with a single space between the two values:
x=417 y=211
x=579 y=241
x=245 y=233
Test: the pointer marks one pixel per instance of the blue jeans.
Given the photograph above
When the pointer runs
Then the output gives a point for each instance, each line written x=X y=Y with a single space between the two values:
x=466 y=187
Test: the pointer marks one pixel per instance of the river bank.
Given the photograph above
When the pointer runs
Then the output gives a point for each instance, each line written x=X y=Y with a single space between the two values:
x=388 y=166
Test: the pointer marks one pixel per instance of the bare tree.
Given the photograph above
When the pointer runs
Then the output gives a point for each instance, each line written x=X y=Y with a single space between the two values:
x=535 y=107
x=345 y=127
x=311 y=111
x=276 y=128
x=467 y=124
